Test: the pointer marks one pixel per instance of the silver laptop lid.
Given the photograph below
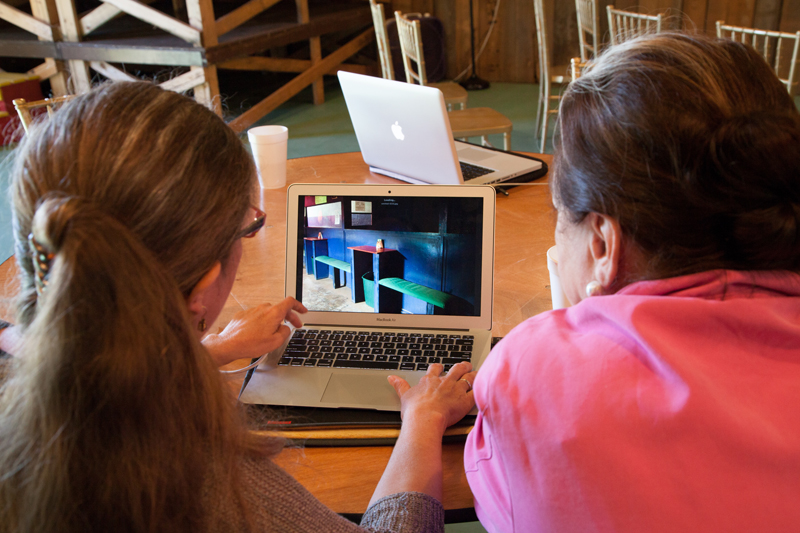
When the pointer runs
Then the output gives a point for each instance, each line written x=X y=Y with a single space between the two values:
x=402 y=128
x=435 y=269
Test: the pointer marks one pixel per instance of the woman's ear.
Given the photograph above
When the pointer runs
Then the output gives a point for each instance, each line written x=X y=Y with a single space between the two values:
x=195 y=299
x=605 y=248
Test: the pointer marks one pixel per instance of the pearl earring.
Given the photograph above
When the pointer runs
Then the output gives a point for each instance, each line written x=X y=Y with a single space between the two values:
x=593 y=288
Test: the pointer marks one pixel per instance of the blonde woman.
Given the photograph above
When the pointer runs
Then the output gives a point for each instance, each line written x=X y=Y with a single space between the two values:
x=129 y=209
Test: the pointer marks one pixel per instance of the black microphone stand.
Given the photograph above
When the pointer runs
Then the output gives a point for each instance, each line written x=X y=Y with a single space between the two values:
x=473 y=83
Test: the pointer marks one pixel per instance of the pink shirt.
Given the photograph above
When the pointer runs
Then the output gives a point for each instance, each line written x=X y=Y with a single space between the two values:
x=673 y=405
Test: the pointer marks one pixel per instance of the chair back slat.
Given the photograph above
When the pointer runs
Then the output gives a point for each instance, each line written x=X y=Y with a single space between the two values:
x=411 y=48
x=24 y=108
x=624 y=25
x=541 y=41
x=384 y=51
x=547 y=100
x=576 y=67
x=771 y=45
x=588 y=24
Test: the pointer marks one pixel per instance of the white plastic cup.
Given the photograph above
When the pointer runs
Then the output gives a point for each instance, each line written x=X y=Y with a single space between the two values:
x=269 y=145
x=556 y=291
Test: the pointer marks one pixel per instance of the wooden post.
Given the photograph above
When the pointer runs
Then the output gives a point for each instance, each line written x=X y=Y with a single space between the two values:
x=71 y=32
x=317 y=87
x=45 y=10
x=201 y=17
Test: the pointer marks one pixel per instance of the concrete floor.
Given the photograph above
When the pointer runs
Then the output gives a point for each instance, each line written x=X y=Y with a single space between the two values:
x=319 y=295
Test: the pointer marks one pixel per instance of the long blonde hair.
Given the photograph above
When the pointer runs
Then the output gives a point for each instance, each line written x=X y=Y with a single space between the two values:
x=114 y=416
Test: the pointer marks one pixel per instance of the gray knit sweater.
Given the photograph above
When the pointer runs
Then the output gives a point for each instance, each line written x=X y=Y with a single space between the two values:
x=280 y=504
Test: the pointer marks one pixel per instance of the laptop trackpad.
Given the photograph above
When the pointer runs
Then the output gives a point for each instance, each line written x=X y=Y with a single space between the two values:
x=360 y=389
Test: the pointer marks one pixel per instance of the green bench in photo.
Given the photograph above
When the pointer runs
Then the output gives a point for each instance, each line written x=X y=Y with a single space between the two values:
x=338 y=267
x=450 y=303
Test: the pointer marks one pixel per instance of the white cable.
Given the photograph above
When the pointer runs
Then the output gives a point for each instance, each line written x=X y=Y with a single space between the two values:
x=248 y=367
x=483 y=46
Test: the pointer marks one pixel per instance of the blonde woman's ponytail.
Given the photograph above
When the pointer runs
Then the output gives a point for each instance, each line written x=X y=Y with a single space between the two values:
x=114 y=416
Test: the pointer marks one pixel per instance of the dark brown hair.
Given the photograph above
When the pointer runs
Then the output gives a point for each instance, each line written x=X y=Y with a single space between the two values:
x=115 y=417
x=692 y=144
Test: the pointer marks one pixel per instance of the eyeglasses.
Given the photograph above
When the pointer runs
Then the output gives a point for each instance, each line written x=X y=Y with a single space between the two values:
x=256 y=224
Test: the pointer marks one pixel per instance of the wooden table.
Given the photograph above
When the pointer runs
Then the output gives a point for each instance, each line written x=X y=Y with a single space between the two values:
x=344 y=478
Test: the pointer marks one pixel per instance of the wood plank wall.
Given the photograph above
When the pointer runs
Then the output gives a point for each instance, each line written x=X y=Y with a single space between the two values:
x=510 y=55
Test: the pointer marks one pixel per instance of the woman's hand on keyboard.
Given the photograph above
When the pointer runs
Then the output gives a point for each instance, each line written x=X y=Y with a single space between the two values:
x=255 y=331
x=428 y=407
x=439 y=398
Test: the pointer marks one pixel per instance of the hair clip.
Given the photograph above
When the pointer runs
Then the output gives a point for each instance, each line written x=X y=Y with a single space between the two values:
x=41 y=263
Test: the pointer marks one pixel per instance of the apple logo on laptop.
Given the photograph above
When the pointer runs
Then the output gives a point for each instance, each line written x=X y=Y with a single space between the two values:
x=397 y=131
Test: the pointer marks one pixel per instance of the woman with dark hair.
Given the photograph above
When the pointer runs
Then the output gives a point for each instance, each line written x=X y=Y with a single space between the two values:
x=665 y=398
x=129 y=209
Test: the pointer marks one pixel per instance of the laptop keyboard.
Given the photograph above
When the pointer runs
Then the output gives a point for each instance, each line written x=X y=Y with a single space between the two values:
x=470 y=172
x=375 y=350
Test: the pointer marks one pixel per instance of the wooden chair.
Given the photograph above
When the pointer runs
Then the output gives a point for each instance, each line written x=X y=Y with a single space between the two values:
x=548 y=101
x=624 y=25
x=384 y=51
x=576 y=67
x=472 y=122
x=588 y=28
x=454 y=94
x=772 y=46
x=24 y=108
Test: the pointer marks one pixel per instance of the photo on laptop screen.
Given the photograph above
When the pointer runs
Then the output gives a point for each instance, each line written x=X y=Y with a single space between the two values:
x=390 y=254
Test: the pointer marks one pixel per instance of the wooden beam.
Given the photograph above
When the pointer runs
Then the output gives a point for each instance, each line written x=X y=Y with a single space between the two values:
x=205 y=90
x=277 y=64
x=184 y=82
x=26 y=22
x=242 y=14
x=300 y=82
x=157 y=19
x=111 y=72
x=271 y=64
x=46 y=12
x=341 y=20
x=201 y=17
x=100 y=15
x=44 y=70
x=79 y=79
x=55 y=71
x=207 y=93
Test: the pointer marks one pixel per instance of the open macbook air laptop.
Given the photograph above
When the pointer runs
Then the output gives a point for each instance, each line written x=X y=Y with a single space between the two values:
x=404 y=132
x=395 y=277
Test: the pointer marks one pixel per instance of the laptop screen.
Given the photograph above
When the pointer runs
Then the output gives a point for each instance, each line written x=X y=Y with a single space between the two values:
x=390 y=254
x=401 y=256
